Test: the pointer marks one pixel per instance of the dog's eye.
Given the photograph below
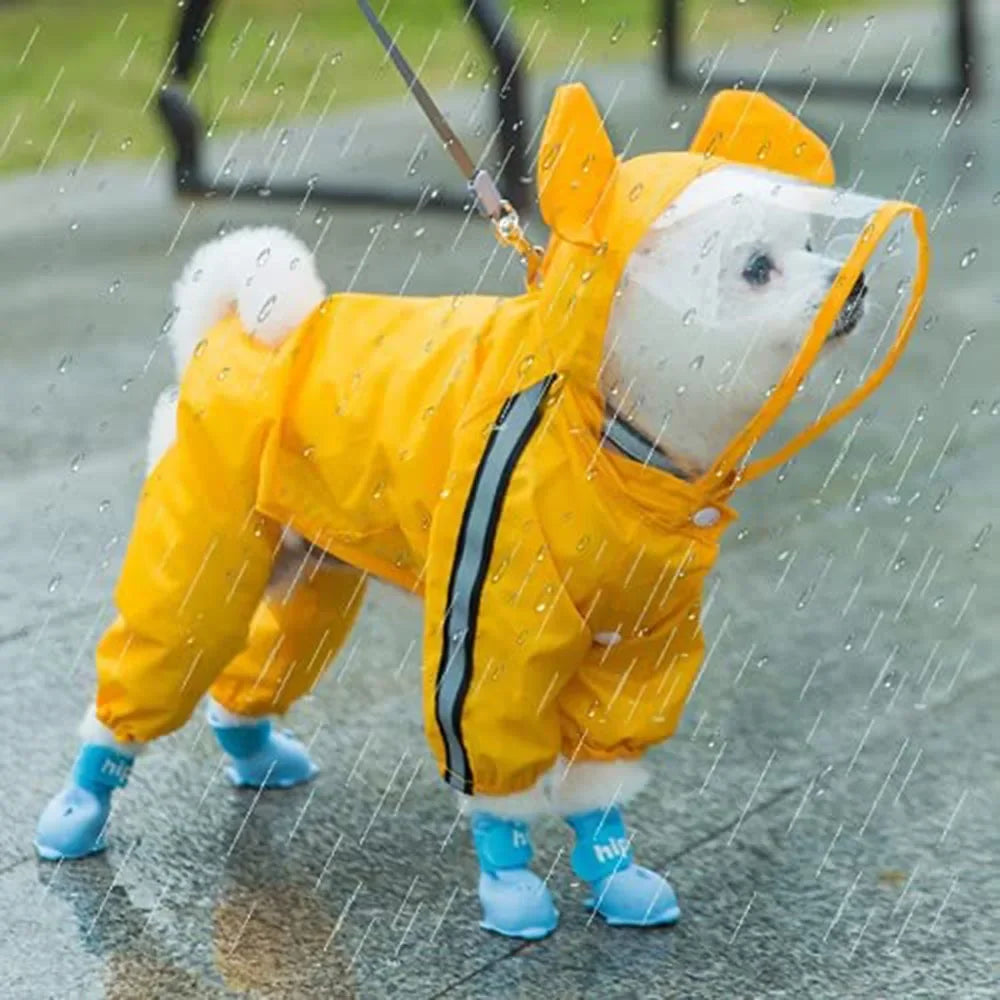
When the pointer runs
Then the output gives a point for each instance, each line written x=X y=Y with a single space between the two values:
x=758 y=270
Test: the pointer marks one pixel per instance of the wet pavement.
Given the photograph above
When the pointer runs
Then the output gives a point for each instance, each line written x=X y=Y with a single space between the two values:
x=828 y=811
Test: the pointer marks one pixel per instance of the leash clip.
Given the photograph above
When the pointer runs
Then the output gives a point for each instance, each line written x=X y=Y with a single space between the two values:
x=506 y=222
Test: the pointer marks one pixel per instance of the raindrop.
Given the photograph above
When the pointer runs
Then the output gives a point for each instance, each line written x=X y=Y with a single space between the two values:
x=742 y=533
x=66 y=361
x=942 y=499
x=921 y=413
x=778 y=24
x=617 y=32
x=995 y=409
x=335 y=58
x=263 y=192
x=223 y=374
x=104 y=506
x=996 y=198
x=919 y=177
x=899 y=564
x=869 y=21
x=76 y=462
x=831 y=25
x=278 y=89
x=283 y=138
x=706 y=247
x=984 y=533
x=263 y=256
x=583 y=543
x=74 y=226
x=265 y=309
x=114 y=286
x=688 y=318
x=938 y=602
x=125 y=143
x=526 y=363
x=417 y=233
x=199 y=349
x=762 y=661
x=849 y=643
x=126 y=385
x=936 y=106
x=969 y=160
x=704 y=66
x=636 y=191
x=54 y=583
x=654 y=38
x=697 y=362
x=968 y=257
x=272 y=39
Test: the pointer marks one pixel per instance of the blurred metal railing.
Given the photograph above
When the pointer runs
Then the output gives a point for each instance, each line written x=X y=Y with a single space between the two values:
x=961 y=85
x=187 y=133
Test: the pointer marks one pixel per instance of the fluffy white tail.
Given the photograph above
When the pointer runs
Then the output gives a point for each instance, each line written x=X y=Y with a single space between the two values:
x=265 y=273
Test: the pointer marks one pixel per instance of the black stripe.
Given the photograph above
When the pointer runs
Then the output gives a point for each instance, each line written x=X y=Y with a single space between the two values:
x=459 y=771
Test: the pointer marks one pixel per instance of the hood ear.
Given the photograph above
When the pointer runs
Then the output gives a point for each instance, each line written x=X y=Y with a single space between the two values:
x=751 y=128
x=576 y=164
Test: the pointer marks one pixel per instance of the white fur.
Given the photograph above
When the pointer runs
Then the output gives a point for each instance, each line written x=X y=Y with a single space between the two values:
x=584 y=786
x=525 y=805
x=162 y=427
x=265 y=273
x=220 y=716
x=93 y=731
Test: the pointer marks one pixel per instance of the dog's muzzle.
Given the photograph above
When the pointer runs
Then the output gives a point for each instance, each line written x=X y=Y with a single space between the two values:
x=852 y=311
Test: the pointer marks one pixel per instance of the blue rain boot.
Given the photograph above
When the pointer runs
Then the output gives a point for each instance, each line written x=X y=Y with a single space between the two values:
x=515 y=901
x=623 y=893
x=261 y=756
x=74 y=822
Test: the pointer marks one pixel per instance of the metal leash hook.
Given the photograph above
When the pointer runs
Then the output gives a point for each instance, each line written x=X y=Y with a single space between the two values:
x=503 y=215
x=506 y=222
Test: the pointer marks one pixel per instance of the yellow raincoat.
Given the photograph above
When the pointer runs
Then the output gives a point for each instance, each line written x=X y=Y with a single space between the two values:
x=458 y=447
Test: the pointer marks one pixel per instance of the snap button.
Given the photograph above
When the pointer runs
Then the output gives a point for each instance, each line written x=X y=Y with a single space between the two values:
x=607 y=638
x=706 y=517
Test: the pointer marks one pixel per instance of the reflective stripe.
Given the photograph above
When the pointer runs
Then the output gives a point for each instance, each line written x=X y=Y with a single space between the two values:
x=632 y=443
x=511 y=433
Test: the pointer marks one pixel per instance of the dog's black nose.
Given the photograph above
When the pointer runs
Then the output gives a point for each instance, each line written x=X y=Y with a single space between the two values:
x=859 y=291
x=853 y=309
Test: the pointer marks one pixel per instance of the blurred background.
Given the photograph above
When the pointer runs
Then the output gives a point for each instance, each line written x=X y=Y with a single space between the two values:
x=828 y=809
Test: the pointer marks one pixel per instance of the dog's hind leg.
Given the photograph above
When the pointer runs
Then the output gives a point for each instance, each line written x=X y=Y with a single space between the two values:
x=307 y=613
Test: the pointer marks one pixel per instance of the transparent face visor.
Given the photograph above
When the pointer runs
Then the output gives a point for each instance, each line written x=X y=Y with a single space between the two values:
x=797 y=299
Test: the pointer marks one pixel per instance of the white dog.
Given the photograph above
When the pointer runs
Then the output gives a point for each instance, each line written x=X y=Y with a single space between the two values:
x=711 y=307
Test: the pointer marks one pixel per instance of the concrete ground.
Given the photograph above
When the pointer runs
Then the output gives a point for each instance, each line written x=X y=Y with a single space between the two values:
x=828 y=811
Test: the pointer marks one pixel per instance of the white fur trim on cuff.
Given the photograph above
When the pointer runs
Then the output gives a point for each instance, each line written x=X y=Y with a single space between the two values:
x=587 y=785
x=95 y=732
x=528 y=804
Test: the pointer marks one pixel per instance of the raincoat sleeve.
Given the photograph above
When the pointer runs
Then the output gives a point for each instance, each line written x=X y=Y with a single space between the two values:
x=200 y=556
x=502 y=635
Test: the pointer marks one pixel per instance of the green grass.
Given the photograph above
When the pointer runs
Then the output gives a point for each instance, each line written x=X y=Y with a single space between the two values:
x=77 y=78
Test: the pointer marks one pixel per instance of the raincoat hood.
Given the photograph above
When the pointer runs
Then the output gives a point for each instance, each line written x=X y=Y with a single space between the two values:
x=599 y=206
